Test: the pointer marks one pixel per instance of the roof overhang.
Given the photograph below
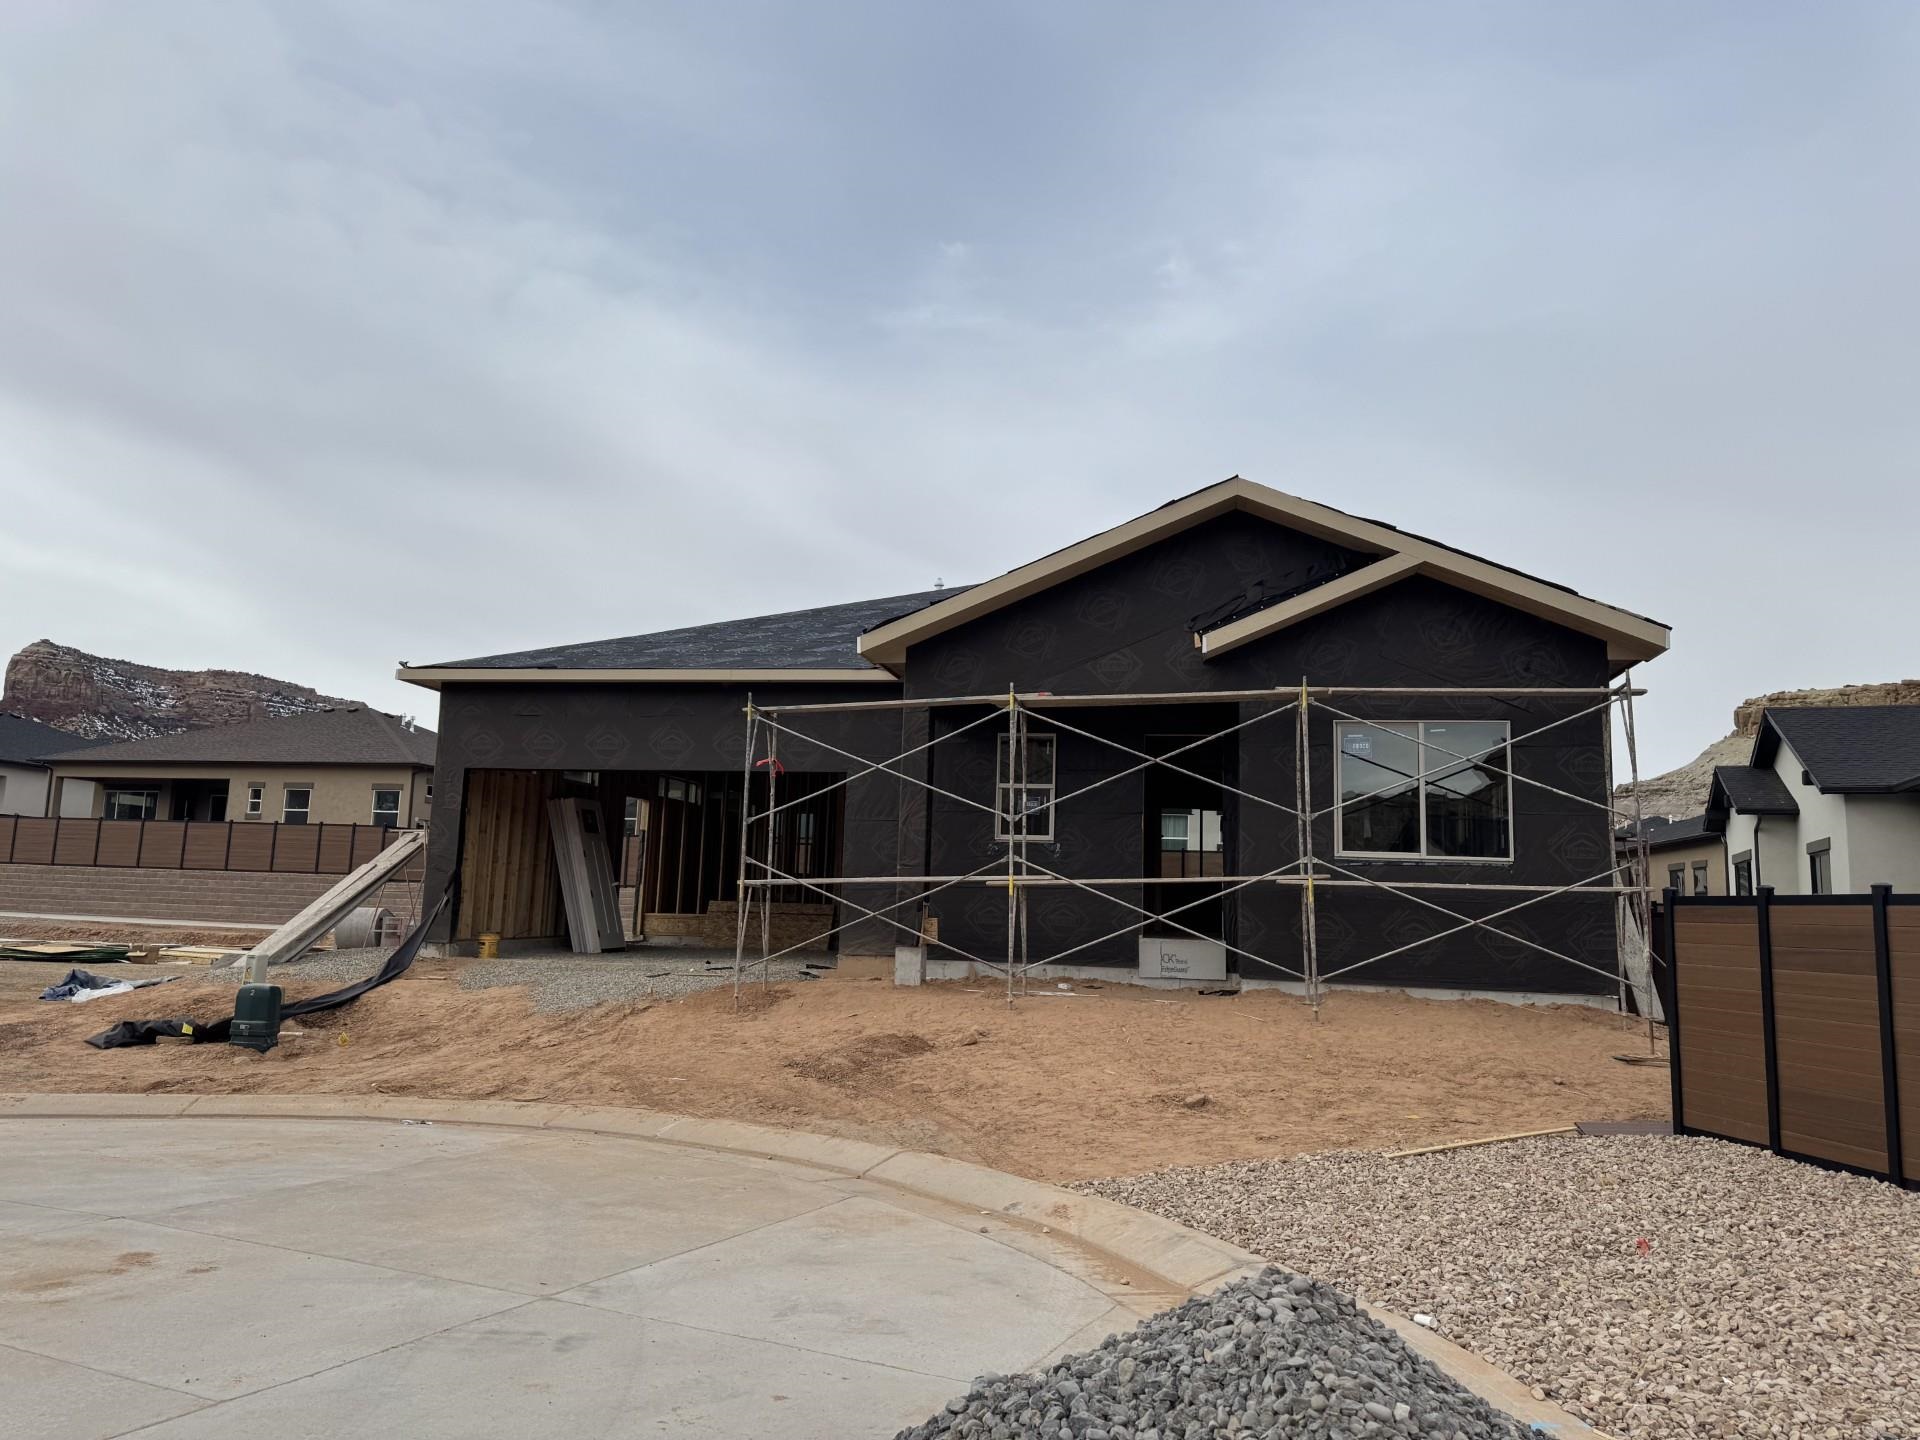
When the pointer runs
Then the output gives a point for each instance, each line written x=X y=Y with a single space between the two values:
x=433 y=677
x=1630 y=638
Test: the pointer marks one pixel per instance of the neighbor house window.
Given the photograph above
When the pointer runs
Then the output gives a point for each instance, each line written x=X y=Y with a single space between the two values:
x=131 y=805
x=1743 y=875
x=256 y=798
x=1190 y=843
x=429 y=804
x=386 y=806
x=1425 y=790
x=1820 y=868
x=1677 y=878
x=297 y=804
x=1023 y=793
x=1699 y=877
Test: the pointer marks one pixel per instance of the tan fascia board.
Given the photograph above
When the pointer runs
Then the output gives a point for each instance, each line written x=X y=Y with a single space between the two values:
x=1629 y=637
x=1350 y=586
x=432 y=677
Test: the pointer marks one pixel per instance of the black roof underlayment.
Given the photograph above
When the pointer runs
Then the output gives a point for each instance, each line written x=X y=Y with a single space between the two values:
x=819 y=639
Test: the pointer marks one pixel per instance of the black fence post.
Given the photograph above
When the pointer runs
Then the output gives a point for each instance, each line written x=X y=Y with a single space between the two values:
x=1889 y=1063
x=1763 y=915
x=54 y=858
x=226 y=856
x=1672 y=1003
x=273 y=846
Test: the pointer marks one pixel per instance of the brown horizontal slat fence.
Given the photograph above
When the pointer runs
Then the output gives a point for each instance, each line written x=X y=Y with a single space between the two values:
x=323 y=849
x=1795 y=1022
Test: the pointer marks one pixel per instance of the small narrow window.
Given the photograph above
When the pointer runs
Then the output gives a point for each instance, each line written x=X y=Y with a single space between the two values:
x=1677 y=878
x=297 y=805
x=256 y=798
x=386 y=806
x=1699 y=877
x=1743 y=875
x=1820 y=868
x=1025 y=793
x=429 y=801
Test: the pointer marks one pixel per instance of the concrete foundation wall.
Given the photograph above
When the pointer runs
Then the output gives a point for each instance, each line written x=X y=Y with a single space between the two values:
x=231 y=897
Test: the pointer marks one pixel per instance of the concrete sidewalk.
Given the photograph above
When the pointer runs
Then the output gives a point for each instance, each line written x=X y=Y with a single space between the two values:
x=317 y=1278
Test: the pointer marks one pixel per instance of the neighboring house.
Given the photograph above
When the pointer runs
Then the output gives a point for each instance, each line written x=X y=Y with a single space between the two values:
x=1237 y=591
x=347 y=765
x=25 y=775
x=1685 y=855
x=1829 y=802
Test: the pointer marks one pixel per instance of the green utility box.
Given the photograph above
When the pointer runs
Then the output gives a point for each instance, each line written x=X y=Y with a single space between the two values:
x=256 y=1018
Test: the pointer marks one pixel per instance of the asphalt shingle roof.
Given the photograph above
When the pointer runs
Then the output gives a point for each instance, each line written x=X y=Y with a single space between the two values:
x=1661 y=832
x=349 y=735
x=1853 y=747
x=26 y=742
x=1754 y=790
x=821 y=639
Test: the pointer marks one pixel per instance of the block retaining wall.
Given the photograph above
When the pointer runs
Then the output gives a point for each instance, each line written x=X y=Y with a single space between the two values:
x=227 y=896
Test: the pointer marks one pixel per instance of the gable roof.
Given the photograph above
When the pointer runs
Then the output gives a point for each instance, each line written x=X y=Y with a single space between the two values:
x=1629 y=637
x=1750 y=789
x=817 y=644
x=27 y=742
x=342 y=735
x=1847 y=749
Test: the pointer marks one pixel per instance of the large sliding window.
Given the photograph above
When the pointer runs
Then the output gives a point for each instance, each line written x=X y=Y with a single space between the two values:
x=1425 y=790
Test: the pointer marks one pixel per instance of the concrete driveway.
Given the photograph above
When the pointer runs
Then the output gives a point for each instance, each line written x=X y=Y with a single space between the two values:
x=200 y=1279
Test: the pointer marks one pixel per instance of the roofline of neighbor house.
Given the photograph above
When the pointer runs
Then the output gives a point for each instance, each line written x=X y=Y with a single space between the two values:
x=432 y=677
x=1629 y=637
x=71 y=769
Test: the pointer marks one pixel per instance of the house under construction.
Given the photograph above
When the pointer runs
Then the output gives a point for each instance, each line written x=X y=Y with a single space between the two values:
x=1244 y=737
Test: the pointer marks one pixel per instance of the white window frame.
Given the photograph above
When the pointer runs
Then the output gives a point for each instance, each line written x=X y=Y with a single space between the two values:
x=1419 y=737
x=108 y=794
x=306 y=811
x=1003 y=788
x=398 y=793
x=256 y=799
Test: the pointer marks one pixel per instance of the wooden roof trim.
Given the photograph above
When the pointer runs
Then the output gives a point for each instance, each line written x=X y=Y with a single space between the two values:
x=1351 y=586
x=1629 y=637
x=431 y=677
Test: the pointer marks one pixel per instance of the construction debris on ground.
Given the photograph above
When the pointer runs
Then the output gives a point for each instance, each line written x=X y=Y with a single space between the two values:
x=1272 y=1357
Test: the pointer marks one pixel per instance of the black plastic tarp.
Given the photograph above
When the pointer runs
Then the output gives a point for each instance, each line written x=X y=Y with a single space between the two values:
x=145 y=1032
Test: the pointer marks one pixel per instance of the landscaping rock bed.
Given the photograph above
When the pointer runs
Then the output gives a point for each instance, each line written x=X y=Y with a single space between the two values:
x=1656 y=1287
x=1274 y=1356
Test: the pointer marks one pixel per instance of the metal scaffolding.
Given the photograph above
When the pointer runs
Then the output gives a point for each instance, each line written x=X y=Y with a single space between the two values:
x=1309 y=872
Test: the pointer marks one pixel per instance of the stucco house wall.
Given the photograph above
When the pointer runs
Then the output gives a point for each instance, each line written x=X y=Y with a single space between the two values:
x=23 y=790
x=342 y=794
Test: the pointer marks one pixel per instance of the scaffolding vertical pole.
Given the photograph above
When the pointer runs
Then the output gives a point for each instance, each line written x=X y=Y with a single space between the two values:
x=742 y=892
x=1309 y=914
x=773 y=824
x=1643 y=855
x=1016 y=821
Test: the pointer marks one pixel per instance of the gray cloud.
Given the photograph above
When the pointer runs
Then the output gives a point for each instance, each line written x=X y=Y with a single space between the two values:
x=546 y=322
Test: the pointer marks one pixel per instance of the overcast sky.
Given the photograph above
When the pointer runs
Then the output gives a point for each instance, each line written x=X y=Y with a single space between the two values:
x=334 y=334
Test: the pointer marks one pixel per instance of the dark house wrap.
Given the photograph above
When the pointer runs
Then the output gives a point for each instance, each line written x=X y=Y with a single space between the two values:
x=1231 y=590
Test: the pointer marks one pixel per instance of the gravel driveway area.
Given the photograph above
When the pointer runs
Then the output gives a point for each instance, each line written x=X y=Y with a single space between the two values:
x=565 y=981
x=558 y=980
x=1653 y=1286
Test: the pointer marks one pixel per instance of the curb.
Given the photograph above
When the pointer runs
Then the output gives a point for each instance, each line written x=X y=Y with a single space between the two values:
x=1187 y=1260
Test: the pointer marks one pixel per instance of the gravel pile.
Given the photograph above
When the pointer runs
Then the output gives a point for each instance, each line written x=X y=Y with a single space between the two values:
x=1656 y=1287
x=1274 y=1356
x=561 y=982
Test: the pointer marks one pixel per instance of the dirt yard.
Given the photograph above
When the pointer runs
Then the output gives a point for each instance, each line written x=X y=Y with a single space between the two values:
x=1107 y=1081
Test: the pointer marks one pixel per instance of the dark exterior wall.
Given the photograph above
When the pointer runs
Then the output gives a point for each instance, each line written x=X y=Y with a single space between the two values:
x=1128 y=627
x=667 y=727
